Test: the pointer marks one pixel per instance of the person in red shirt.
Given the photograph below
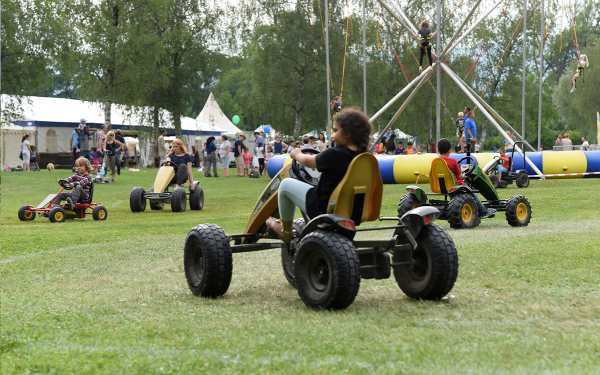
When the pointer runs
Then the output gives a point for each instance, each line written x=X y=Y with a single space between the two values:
x=444 y=148
x=505 y=163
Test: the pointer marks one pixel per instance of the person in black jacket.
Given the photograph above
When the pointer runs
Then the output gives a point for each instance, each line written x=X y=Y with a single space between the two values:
x=424 y=37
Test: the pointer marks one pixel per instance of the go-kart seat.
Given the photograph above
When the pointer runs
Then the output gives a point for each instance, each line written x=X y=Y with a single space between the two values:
x=441 y=178
x=89 y=200
x=358 y=195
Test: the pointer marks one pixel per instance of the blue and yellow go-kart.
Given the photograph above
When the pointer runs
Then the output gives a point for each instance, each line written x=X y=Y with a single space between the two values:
x=325 y=261
x=458 y=203
x=160 y=194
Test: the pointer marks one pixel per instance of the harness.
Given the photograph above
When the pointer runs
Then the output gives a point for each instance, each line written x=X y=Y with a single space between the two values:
x=425 y=41
x=580 y=72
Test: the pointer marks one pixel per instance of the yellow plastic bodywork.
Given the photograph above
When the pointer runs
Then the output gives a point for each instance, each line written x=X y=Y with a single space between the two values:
x=439 y=169
x=407 y=167
x=564 y=162
x=163 y=177
x=362 y=177
x=266 y=205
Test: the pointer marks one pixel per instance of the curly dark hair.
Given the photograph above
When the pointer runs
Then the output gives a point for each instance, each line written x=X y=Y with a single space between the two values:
x=444 y=146
x=356 y=124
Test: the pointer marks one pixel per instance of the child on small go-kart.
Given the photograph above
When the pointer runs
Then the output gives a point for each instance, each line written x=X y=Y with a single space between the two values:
x=351 y=131
x=444 y=148
x=505 y=163
x=80 y=181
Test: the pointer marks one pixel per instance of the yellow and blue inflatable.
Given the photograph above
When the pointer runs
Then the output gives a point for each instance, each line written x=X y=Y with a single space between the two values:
x=403 y=169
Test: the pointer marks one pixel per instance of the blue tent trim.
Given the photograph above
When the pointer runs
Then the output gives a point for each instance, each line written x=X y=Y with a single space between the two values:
x=48 y=124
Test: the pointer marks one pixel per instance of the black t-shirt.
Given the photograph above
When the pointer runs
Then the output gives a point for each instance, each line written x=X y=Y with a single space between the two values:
x=179 y=160
x=333 y=164
x=423 y=33
x=235 y=147
x=460 y=122
x=399 y=151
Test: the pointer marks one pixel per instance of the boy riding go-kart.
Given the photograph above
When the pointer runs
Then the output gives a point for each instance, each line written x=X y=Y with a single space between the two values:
x=500 y=170
x=460 y=205
x=78 y=201
x=174 y=171
x=336 y=190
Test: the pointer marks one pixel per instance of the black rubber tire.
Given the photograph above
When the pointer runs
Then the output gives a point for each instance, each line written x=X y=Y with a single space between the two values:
x=197 y=199
x=137 y=199
x=327 y=271
x=26 y=215
x=287 y=260
x=178 y=200
x=207 y=261
x=494 y=180
x=516 y=206
x=157 y=206
x=523 y=180
x=407 y=203
x=435 y=265
x=455 y=209
x=57 y=215
x=99 y=213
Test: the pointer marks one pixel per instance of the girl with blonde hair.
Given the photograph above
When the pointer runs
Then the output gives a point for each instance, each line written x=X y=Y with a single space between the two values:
x=111 y=152
x=581 y=62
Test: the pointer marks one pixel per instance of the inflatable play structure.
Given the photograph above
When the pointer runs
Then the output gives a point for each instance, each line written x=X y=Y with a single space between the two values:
x=406 y=169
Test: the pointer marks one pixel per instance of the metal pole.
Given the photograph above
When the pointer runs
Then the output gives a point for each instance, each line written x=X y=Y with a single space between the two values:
x=364 y=58
x=401 y=20
x=401 y=13
x=541 y=81
x=455 y=78
x=524 y=69
x=329 y=124
x=461 y=27
x=426 y=76
x=402 y=92
x=474 y=26
x=439 y=76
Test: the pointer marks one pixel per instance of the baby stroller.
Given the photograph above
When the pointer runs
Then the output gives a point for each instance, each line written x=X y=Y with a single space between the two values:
x=33 y=164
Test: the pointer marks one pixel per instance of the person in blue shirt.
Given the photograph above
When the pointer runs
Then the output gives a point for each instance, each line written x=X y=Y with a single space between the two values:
x=495 y=149
x=259 y=139
x=387 y=135
x=470 y=132
x=211 y=157
x=74 y=143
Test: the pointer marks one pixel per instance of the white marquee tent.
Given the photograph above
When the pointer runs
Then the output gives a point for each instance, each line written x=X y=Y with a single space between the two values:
x=212 y=115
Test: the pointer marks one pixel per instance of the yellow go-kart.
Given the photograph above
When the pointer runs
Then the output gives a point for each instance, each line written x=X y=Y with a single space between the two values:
x=160 y=194
x=324 y=261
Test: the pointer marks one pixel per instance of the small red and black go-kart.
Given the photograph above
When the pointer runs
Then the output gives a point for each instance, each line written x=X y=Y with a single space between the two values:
x=61 y=213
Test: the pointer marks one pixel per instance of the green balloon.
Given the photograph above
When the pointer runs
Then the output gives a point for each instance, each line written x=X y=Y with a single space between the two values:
x=236 y=119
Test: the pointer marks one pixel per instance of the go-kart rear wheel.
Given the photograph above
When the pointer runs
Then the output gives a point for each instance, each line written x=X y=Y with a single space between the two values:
x=407 y=203
x=197 y=199
x=463 y=212
x=137 y=199
x=518 y=211
x=327 y=271
x=523 y=180
x=287 y=259
x=494 y=180
x=99 y=213
x=434 y=267
x=157 y=206
x=207 y=261
x=178 y=200
x=57 y=215
x=25 y=214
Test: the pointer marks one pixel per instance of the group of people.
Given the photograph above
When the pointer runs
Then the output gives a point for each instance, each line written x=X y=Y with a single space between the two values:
x=389 y=146
x=566 y=141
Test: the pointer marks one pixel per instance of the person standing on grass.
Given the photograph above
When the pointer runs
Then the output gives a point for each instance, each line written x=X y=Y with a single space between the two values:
x=238 y=150
x=278 y=145
x=26 y=150
x=100 y=140
x=261 y=159
x=211 y=159
x=121 y=139
x=85 y=138
x=258 y=139
x=585 y=146
x=390 y=147
x=322 y=143
x=470 y=132
x=224 y=152
x=567 y=140
x=162 y=149
x=74 y=147
x=111 y=146
x=559 y=140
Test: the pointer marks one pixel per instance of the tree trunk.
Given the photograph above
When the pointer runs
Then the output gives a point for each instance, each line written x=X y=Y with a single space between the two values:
x=155 y=130
x=177 y=122
x=299 y=108
x=107 y=110
x=483 y=133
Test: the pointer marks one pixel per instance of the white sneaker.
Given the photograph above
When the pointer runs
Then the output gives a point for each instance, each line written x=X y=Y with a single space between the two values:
x=573 y=89
x=420 y=69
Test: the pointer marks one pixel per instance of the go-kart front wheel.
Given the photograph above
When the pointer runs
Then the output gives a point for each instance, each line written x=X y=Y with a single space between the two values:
x=207 y=261
x=327 y=271
x=407 y=203
x=287 y=259
x=518 y=211
x=178 y=200
x=463 y=212
x=197 y=199
x=434 y=265
x=26 y=215
x=57 y=215
x=523 y=180
x=494 y=180
x=137 y=199
x=99 y=213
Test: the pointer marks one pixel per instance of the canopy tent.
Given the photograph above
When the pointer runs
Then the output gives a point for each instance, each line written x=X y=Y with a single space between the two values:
x=212 y=115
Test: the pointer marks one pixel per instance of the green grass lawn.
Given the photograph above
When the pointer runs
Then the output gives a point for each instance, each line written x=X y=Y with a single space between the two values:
x=87 y=297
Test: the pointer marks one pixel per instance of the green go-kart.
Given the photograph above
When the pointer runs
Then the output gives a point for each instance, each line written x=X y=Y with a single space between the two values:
x=324 y=261
x=457 y=203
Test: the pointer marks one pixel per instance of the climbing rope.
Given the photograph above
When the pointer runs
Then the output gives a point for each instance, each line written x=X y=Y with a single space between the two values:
x=575 y=43
x=472 y=70
x=325 y=42
x=345 y=46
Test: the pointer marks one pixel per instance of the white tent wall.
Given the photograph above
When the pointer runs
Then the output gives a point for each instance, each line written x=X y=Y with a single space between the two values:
x=11 y=143
x=212 y=115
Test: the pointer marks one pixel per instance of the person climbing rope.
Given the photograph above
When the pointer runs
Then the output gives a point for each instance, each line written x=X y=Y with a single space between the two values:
x=583 y=60
x=424 y=37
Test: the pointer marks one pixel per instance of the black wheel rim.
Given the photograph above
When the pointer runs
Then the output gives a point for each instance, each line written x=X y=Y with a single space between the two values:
x=318 y=272
x=420 y=265
x=197 y=264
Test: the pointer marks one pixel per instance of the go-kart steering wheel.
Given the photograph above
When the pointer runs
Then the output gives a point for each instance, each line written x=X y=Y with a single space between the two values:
x=471 y=168
x=170 y=163
x=65 y=184
x=308 y=175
